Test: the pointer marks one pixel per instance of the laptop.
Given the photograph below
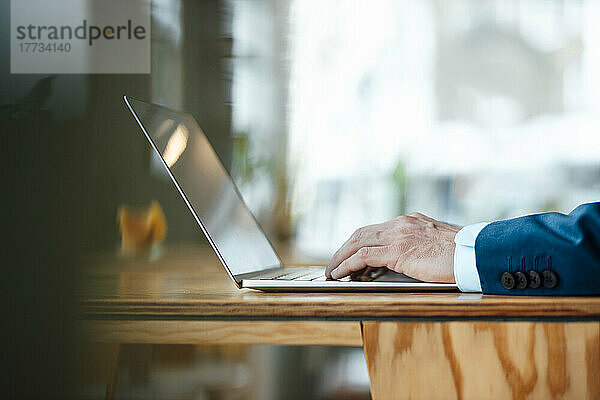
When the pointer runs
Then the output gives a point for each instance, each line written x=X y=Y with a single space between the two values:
x=234 y=234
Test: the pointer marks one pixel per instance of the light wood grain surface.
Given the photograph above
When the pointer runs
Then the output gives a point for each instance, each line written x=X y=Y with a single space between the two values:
x=189 y=283
x=483 y=360
x=332 y=333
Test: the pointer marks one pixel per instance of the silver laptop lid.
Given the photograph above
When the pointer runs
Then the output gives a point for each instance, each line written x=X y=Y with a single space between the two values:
x=206 y=188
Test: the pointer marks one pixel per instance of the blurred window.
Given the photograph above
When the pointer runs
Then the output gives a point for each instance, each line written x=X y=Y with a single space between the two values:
x=465 y=110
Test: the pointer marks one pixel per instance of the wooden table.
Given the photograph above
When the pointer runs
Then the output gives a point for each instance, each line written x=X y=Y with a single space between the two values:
x=417 y=345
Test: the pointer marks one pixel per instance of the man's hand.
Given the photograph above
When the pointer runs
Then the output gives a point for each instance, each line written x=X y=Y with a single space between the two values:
x=414 y=245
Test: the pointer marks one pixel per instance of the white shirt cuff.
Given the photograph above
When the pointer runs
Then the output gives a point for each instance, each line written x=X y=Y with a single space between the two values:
x=465 y=265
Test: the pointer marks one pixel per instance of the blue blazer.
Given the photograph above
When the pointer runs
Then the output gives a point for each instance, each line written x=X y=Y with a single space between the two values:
x=542 y=254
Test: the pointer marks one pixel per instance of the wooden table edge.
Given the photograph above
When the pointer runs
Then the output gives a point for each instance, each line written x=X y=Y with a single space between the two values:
x=219 y=332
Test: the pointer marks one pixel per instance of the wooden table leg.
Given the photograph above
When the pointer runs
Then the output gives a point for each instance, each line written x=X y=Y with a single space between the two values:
x=115 y=349
x=475 y=360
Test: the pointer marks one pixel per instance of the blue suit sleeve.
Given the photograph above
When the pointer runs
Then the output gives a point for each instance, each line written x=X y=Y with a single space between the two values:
x=566 y=245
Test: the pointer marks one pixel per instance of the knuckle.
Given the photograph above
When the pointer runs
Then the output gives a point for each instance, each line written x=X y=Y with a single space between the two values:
x=364 y=252
x=358 y=235
x=405 y=220
x=400 y=248
x=393 y=248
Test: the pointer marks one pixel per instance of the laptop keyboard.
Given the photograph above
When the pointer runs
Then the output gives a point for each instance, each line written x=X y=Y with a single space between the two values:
x=306 y=275
x=298 y=274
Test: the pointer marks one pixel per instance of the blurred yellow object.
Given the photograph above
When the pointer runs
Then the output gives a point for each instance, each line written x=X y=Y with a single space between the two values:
x=141 y=230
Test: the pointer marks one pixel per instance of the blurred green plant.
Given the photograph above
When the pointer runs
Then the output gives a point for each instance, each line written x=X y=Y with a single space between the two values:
x=245 y=168
x=401 y=181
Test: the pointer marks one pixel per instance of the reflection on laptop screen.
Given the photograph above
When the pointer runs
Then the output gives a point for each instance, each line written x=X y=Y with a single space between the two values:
x=208 y=188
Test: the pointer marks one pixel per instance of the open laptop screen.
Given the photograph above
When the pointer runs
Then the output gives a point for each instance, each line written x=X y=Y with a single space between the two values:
x=207 y=188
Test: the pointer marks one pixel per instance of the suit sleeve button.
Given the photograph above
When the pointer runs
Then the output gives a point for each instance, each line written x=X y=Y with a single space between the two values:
x=535 y=280
x=549 y=279
x=520 y=280
x=508 y=280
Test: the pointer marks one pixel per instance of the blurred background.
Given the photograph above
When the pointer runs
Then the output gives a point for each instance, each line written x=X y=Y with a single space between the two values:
x=330 y=115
